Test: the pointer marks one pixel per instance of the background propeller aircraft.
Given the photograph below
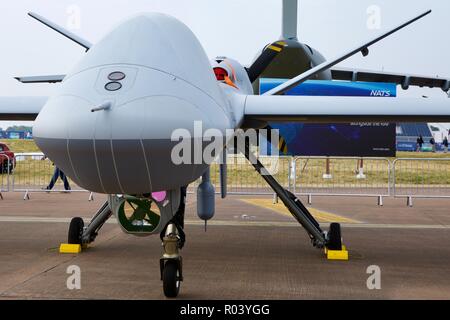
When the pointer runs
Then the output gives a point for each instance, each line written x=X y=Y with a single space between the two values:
x=110 y=125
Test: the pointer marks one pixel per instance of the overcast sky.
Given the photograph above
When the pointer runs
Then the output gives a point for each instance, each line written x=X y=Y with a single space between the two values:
x=233 y=28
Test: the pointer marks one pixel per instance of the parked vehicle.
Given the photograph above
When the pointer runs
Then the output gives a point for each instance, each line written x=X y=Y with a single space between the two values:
x=7 y=159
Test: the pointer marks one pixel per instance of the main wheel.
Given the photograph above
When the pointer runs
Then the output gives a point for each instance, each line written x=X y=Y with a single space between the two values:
x=171 y=279
x=335 y=237
x=75 y=231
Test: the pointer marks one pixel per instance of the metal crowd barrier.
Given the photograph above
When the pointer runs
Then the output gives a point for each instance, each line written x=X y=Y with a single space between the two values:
x=304 y=176
x=5 y=174
x=33 y=173
x=342 y=176
x=421 y=178
x=242 y=179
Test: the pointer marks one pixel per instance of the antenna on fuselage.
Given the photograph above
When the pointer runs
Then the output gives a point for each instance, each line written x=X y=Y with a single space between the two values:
x=289 y=20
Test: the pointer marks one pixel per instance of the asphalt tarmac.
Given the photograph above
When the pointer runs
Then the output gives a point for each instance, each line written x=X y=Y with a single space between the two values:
x=251 y=250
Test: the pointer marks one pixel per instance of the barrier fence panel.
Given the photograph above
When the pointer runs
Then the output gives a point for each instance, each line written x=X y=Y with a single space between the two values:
x=33 y=173
x=332 y=176
x=243 y=179
x=6 y=167
x=346 y=176
x=421 y=177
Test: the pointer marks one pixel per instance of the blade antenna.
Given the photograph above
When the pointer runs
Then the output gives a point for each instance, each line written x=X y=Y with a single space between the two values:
x=66 y=33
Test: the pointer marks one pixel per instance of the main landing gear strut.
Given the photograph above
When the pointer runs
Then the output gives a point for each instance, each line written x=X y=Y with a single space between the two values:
x=331 y=240
x=79 y=234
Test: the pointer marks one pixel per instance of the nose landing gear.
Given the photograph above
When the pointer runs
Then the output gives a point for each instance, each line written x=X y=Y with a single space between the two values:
x=171 y=262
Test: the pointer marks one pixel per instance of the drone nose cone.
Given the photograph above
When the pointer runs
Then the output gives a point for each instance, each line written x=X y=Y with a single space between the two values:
x=156 y=41
x=129 y=149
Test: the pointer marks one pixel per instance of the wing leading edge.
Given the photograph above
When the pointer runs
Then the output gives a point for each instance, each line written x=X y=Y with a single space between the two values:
x=404 y=80
x=21 y=108
x=42 y=79
x=344 y=109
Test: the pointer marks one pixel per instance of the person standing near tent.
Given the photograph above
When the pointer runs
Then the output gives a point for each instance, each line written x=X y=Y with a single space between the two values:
x=445 y=143
x=433 y=144
x=419 y=143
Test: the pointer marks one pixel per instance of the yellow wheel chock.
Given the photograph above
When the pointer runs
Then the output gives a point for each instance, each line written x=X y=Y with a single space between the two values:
x=337 y=254
x=69 y=248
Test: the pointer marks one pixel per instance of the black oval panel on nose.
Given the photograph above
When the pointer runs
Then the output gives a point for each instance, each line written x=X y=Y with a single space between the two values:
x=116 y=76
x=113 y=86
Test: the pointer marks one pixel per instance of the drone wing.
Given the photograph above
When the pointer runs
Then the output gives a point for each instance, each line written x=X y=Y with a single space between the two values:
x=404 y=80
x=41 y=79
x=344 y=109
x=21 y=108
x=274 y=106
x=66 y=33
x=28 y=108
x=363 y=48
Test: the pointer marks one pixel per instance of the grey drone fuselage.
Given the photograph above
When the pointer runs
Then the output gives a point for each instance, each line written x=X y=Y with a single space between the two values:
x=110 y=125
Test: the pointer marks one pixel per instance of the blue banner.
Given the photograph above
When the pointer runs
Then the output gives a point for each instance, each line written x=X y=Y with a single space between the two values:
x=353 y=139
x=334 y=88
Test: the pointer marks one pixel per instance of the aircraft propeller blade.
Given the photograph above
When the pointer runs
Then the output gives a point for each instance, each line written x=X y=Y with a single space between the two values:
x=328 y=64
x=288 y=32
x=265 y=58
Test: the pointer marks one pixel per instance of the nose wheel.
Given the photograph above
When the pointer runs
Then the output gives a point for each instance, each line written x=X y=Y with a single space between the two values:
x=172 y=278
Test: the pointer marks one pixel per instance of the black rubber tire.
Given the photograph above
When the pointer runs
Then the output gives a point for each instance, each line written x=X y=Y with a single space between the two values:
x=334 y=237
x=75 y=231
x=171 y=283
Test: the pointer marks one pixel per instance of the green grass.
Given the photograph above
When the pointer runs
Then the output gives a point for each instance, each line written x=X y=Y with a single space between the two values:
x=21 y=146
x=422 y=155
x=30 y=172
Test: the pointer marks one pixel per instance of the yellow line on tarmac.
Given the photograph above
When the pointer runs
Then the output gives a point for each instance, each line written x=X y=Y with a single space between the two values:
x=320 y=215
